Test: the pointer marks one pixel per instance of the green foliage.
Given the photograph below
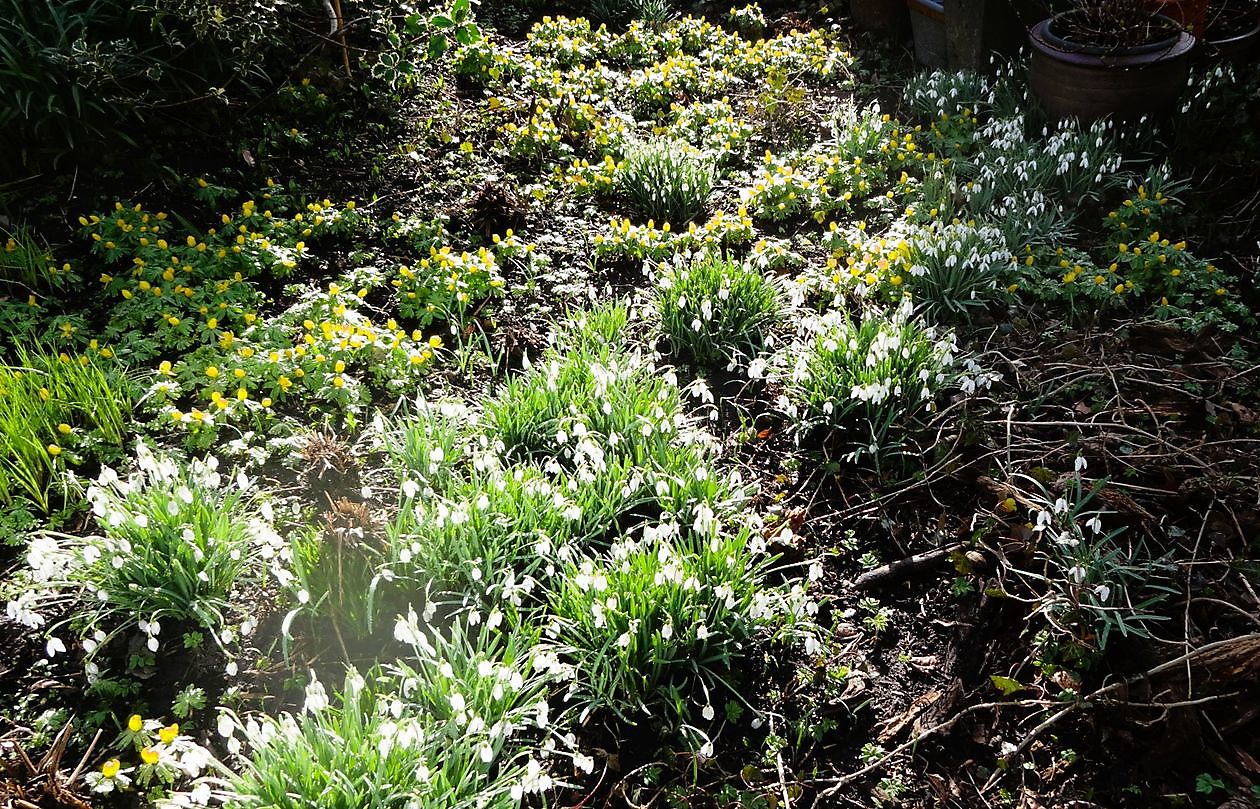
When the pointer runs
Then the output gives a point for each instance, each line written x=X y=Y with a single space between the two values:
x=174 y=542
x=189 y=700
x=454 y=24
x=749 y=20
x=357 y=753
x=428 y=445
x=446 y=284
x=444 y=726
x=956 y=269
x=56 y=411
x=57 y=60
x=716 y=309
x=77 y=75
x=174 y=287
x=482 y=536
x=665 y=181
x=416 y=36
x=27 y=263
x=593 y=387
x=1093 y=585
x=654 y=621
x=858 y=384
x=336 y=565
x=619 y=13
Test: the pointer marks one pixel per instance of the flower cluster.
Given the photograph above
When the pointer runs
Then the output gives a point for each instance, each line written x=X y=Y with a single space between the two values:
x=165 y=756
x=782 y=190
x=642 y=242
x=174 y=292
x=323 y=349
x=447 y=283
x=585 y=177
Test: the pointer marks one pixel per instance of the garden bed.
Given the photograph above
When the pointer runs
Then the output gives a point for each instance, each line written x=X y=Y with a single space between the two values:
x=690 y=411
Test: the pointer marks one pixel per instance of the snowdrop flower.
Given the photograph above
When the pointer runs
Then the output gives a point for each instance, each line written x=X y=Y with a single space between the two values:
x=316 y=696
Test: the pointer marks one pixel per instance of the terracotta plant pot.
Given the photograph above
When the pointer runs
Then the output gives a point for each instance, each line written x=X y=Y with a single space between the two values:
x=1090 y=82
x=927 y=21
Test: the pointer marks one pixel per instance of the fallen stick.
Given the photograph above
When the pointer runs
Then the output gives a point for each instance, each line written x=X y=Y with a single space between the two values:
x=904 y=567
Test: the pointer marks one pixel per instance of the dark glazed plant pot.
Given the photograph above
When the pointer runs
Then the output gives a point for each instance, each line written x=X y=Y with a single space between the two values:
x=1088 y=83
x=883 y=18
x=927 y=21
x=1235 y=50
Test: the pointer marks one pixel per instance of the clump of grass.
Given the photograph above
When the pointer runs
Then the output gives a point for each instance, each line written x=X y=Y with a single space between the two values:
x=618 y=13
x=955 y=270
x=858 y=382
x=377 y=744
x=26 y=261
x=666 y=181
x=715 y=309
x=336 y=563
x=55 y=410
x=174 y=541
x=429 y=444
x=662 y=619
x=490 y=531
x=589 y=385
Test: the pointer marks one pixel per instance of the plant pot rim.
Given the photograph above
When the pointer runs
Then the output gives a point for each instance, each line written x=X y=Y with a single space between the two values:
x=937 y=6
x=1050 y=44
x=1229 y=40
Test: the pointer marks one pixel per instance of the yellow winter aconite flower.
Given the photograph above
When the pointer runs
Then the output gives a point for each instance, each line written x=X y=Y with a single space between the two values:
x=149 y=756
x=54 y=450
x=110 y=768
x=135 y=723
x=168 y=733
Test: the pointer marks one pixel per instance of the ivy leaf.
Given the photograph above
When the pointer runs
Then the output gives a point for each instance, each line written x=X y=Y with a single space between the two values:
x=437 y=45
x=1006 y=685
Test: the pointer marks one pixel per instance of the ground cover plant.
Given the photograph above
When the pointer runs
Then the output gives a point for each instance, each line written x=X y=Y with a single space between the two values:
x=642 y=404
